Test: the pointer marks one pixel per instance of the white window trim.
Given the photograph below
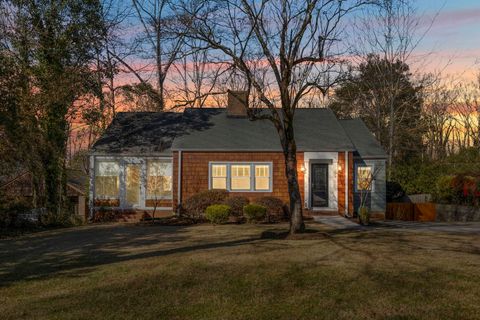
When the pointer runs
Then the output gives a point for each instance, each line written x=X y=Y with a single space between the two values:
x=122 y=161
x=372 y=169
x=252 y=174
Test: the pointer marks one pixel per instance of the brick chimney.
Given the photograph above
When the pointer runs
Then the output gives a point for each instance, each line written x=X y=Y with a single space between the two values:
x=237 y=103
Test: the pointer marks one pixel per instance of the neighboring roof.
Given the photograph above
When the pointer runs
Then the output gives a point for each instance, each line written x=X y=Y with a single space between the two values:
x=316 y=129
x=366 y=144
x=78 y=179
x=140 y=132
x=21 y=185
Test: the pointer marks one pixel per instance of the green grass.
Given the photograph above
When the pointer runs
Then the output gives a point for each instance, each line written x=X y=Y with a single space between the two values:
x=228 y=272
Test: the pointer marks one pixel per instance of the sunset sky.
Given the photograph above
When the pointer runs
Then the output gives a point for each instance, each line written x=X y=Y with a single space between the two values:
x=454 y=36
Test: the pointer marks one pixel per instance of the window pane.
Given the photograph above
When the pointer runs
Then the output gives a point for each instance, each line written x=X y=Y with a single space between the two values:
x=106 y=187
x=107 y=168
x=107 y=180
x=219 y=170
x=262 y=177
x=159 y=179
x=219 y=176
x=240 y=177
x=219 y=183
x=132 y=184
x=262 y=183
x=159 y=168
x=364 y=178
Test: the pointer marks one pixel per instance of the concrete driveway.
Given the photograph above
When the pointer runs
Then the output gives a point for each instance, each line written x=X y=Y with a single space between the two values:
x=448 y=227
x=342 y=223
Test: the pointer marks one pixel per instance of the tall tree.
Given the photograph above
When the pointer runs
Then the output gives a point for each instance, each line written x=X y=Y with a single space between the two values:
x=368 y=94
x=158 y=43
x=284 y=51
x=391 y=30
x=438 y=99
x=59 y=41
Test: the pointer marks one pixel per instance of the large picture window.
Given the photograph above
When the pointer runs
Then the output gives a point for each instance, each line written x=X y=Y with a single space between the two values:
x=159 y=179
x=238 y=177
x=107 y=180
x=364 y=180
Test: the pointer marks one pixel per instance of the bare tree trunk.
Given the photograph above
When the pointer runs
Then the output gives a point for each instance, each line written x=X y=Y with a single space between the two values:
x=296 y=215
x=290 y=153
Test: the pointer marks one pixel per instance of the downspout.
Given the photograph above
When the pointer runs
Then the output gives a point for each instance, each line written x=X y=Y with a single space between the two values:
x=179 y=182
x=346 y=185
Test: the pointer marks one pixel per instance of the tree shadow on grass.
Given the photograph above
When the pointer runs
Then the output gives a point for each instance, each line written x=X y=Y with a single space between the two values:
x=75 y=252
x=84 y=249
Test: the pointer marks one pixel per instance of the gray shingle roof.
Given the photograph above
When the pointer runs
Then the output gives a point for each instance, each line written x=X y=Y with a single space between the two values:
x=315 y=130
x=366 y=144
x=139 y=132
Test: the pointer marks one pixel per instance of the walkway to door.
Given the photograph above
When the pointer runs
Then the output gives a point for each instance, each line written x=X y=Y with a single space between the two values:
x=337 y=222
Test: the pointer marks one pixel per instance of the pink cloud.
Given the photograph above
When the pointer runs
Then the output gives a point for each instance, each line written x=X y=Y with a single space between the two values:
x=456 y=17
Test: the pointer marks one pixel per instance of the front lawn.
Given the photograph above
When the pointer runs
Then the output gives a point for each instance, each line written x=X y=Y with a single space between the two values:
x=228 y=272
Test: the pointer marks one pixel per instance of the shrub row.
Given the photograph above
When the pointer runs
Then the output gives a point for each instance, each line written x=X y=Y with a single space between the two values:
x=219 y=213
x=217 y=206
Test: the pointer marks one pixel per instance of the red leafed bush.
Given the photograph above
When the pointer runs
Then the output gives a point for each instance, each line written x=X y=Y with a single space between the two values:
x=195 y=206
x=459 y=189
x=236 y=204
x=276 y=208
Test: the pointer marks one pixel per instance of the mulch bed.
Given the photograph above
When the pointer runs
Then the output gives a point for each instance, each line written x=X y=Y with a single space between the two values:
x=170 y=221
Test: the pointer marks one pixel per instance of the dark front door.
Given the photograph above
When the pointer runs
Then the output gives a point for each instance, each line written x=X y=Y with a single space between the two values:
x=319 y=185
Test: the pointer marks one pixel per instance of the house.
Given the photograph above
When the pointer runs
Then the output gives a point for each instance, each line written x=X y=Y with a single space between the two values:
x=18 y=187
x=146 y=161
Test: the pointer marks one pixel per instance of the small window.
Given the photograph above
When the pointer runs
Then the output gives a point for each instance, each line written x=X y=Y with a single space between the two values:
x=240 y=177
x=262 y=177
x=159 y=179
x=364 y=178
x=107 y=180
x=219 y=176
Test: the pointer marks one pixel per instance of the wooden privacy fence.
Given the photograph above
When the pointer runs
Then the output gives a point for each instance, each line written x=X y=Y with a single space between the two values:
x=411 y=211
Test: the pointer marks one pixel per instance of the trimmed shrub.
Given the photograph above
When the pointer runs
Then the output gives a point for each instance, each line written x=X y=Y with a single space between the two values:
x=237 y=203
x=60 y=220
x=276 y=209
x=195 y=206
x=218 y=213
x=10 y=209
x=254 y=212
x=7 y=219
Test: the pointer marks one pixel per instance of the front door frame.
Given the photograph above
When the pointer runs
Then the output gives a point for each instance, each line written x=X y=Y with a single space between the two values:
x=327 y=164
x=330 y=158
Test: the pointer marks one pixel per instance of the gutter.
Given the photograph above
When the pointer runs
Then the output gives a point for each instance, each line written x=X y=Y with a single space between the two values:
x=346 y=185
